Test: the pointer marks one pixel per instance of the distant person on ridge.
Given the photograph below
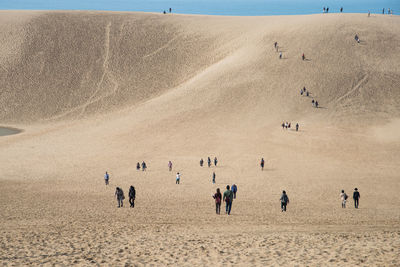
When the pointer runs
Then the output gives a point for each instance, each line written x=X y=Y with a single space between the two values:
x=383 y=11
x=138 y=166
x=262 y=164
x=280 y=55
x=201 y=162
x=170 y=166
x=170 y=10
x=297 y=127
x=120 y=196
x=228 y=198
x=283 y=125
x=275 y=44
x=356 y=197
x=106 y=178
x=316 y=104
x=327 y=9
x=343 y=197
x=234 y=190
x=209 y=162
x=132 y=196
x=217 y=196
x=178 y=178
x=303 y=57
x=284 y=201
x=213 y=178
x=341 y=9
x=215 y=161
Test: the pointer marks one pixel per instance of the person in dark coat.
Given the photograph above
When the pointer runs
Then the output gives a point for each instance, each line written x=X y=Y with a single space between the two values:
x=132 y=196
x=120 y=196
x=218 y=197
x=356 y=197
x=284 y=200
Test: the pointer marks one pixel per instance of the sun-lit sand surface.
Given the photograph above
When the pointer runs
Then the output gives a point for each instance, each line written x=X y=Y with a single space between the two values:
x=100 y=91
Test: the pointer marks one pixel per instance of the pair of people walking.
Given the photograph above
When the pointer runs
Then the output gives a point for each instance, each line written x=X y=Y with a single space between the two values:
x=143 y=165
x=209 y=162
x=356 y=197
x=228 y=197
x=119 y=193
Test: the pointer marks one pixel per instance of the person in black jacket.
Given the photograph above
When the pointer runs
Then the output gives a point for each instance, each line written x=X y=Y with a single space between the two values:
x=356 y=197
x=132 y=196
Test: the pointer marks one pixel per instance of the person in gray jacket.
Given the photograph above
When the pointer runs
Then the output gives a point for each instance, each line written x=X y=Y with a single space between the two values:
x=120 y=196
x=284 y=201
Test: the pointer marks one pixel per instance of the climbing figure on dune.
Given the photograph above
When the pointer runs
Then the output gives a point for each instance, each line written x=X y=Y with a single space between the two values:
x=120 y=196
x=138 y=166
x=209 y=162
x=201 y=162
x=262 y=164
x=106 y=178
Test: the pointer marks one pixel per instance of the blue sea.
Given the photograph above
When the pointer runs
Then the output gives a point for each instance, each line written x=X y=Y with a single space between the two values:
x=211 y=7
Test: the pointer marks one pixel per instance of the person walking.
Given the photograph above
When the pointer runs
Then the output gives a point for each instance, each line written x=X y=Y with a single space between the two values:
x=215 y=161
x=209 y=162
x=283 y=125
x=297 y=127
x=217 y=196
x=170 y=166
x=228 y=198
x=178 y=178
x=138 y=166
x=280 y=55
x=341 y=9
x=262 y=164
x=284 y=201
x=303 y=57
x=170 y=10
x=275 y=44
x=201 y=162
x=120 y=196
x=234 y=190
x=132 y=196
x=356 y=197
x=213 y=178
x=106 y=178
x=144 y=166
x=343 y=197
x=316 y=104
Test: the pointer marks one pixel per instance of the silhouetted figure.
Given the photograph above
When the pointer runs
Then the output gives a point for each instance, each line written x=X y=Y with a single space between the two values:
x=383 y=11
x=215 y=161
x=132 y=196
x=144 y=166
x=228 y=198
x=297 y=127
x=316 y=104
x=324 y=9
x=164 y=12
x=369 y=13
x=170 y=10
x=275 y=44
x=284 y=201
x=280 y=55
x=303 y=57
x=343 y=197
x=341 y=9
x=234 y=190
x=201 y=162
x=209 y=162
x=138 y=166
x=213 y=178
x=312 y=102
x=327 y=9
x=262 y=164
x=307 y=94
x=356 y=197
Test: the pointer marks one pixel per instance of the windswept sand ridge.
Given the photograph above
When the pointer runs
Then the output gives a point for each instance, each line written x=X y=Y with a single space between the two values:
x=97 y=91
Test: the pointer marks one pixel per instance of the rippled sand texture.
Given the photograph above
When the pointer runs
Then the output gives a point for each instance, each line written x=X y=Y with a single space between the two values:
x=100 y=91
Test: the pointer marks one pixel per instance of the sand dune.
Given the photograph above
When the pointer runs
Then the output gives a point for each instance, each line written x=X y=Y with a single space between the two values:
x=97 y=91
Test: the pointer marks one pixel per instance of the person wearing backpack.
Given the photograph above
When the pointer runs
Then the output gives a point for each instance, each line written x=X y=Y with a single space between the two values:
x=120 y=196
x=217 y=196
x=284 y=200
x=228 y=198
x=356 y=197
x=234 y=190
x=343 y=197
x=132 y=196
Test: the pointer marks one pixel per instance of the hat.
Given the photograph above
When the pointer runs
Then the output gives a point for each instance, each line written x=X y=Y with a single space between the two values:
x=355 y=189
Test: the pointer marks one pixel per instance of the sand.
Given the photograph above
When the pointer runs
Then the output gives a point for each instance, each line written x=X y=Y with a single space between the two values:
x=100 y=91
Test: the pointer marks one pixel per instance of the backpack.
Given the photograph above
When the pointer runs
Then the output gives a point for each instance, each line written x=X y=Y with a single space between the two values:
x=345 y=196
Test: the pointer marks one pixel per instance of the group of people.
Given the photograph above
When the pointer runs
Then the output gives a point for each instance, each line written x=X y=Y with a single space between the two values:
x=390 y=11
x=314 y=103
x=170 y=11
x=144 y=166
x=356 y=197
x=209 y=162
x=228 y=197
x=119 y=194
x=287 y=125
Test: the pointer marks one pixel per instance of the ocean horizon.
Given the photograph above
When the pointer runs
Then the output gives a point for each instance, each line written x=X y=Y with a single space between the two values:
x=210 y=7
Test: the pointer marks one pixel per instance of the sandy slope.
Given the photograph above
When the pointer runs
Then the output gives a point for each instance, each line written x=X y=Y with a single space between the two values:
x=97 y=91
